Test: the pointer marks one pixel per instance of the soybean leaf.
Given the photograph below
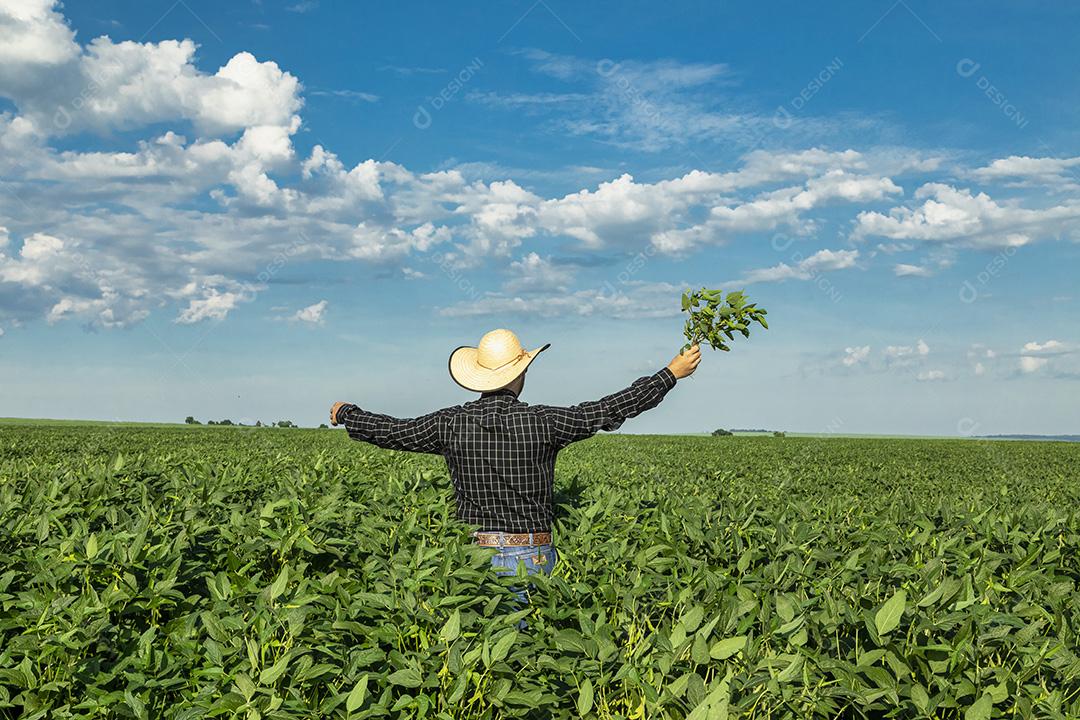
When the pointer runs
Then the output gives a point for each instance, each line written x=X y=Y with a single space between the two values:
x=585 y=698
x=356 y=697
x=726 y=648
x=888 y=617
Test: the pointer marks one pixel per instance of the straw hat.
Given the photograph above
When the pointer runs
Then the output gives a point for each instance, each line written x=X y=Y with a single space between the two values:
x=493 y=364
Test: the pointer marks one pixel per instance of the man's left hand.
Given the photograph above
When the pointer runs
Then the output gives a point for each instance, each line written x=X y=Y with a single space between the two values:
x=334 y=411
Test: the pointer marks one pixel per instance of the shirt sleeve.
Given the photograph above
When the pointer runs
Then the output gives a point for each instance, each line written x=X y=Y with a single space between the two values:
x=424 y=434
x=570 y=424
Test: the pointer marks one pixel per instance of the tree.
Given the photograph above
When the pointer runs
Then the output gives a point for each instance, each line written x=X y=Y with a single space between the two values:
x=323 y=426
x=258 y=423
x=189 y=420
x=226 y=421
x=285 y=424
x=779 y=433
x=721 y=431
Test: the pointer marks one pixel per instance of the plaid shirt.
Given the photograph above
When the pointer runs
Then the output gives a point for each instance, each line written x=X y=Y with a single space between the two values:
x=501 y=451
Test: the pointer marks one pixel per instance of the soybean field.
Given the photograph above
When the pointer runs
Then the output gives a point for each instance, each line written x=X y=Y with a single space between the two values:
x=173 y=572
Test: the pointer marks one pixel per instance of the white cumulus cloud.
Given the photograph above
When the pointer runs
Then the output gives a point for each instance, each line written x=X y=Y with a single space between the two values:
x=953 y=215
x=805 y=269
x=1048 y=346
x=313 y=314
x=1030 y=364
x=855 y=355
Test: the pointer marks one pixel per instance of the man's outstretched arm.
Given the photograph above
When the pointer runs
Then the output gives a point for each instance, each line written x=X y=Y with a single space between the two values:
x=421 y=434
x=578 y=422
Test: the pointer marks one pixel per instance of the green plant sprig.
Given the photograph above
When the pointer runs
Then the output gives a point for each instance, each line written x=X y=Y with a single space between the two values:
x=715 y=319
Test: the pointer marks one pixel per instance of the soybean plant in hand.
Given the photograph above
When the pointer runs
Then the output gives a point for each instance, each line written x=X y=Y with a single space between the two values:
x=715 y=319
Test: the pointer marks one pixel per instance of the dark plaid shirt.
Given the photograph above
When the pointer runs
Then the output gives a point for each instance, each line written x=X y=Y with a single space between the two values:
x=501 y=451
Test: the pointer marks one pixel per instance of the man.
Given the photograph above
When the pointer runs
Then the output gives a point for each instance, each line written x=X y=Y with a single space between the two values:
x=501 y=451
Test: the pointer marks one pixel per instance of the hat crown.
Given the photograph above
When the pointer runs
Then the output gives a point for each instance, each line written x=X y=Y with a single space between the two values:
x=497 y=348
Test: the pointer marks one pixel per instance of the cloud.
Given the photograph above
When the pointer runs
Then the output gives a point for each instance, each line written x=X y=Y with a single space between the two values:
x=112 y=144
x=920 y=349
x=894 y=248
x=1032 y=364
x=313 y=314
x=107 y=86
x=412 y=70
x=806 y=269
x=1022 y=171
x=1054 y=355
x=930 y=376
x=304 y=6
x=783 y=207
x=855 y=355
x=905 y=270
x=980 y=369
x=1048 y=346
x=657 y=105
x=213 y=305
x=951 y=215
x=630 y=300
x=533 y=273
x=35 y=36
x=347 y=94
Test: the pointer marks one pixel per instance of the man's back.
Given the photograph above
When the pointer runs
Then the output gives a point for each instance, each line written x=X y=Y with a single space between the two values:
x=500 y=451
x=501 y=454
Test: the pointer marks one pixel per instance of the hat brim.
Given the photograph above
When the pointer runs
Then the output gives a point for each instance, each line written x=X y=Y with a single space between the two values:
x=471 y=375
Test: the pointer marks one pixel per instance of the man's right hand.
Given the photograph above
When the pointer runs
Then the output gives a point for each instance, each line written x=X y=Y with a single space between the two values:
x=685 y=363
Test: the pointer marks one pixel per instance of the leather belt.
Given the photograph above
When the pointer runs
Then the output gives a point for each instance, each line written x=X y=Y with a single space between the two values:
x=503 y=539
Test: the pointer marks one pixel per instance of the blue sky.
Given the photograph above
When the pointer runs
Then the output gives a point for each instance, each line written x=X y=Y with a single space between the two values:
x=253 y=209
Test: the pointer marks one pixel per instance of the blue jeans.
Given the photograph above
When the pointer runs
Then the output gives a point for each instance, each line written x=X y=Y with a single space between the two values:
x=537 y=558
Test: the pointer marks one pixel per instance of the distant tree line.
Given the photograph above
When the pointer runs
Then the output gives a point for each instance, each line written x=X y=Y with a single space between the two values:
x=189 y=420
x=720 y=432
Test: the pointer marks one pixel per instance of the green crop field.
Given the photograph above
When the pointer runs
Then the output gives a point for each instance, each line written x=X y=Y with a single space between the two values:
x=233 y=572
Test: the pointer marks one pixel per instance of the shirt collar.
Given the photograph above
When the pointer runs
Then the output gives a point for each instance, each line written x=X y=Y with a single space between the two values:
x=499 y=392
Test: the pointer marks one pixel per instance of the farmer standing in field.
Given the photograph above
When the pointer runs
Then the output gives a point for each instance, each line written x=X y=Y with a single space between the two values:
x=501 y=451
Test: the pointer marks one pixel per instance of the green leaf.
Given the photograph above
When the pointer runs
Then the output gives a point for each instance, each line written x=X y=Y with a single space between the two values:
x=726 y=648
x=452 y=628
x=585 y=698
x=691 y=619
x=981 y=709
x=502 y=646
x=135 y=704
x=356 y=697
x=678 y=687
x=244 y=684
x=278 y=586
x=785 y=608
x=699 y=652
x=714 y=706
x=91 y=546
x=888 y=617
x=406 y=677
x=270 y=675
x=920 y=698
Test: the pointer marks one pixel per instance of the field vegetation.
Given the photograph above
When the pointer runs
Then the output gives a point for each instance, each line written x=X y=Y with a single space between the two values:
x=263 y=573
